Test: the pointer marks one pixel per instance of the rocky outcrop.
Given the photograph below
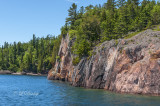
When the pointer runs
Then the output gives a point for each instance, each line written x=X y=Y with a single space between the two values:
x=5 y=72
x=61 y=70
x=124 y=65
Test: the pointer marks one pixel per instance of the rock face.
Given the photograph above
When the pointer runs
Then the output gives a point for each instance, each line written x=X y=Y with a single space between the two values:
x=124 y=65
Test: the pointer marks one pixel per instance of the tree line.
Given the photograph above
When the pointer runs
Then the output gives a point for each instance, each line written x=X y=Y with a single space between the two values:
x=89 y=26
x=37 y=56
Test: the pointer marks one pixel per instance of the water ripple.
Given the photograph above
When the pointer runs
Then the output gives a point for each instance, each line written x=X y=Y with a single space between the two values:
x=22 y=90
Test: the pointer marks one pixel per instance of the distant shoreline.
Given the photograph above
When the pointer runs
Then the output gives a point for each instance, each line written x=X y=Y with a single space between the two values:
x=7 y=72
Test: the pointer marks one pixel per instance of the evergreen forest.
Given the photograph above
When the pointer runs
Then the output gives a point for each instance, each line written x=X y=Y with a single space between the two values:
x=89 y=26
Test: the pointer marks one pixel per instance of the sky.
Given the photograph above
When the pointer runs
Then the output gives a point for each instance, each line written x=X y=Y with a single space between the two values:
x=20 y=19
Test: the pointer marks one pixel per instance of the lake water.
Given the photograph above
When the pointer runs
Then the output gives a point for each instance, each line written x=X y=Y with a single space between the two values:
x=37 y=90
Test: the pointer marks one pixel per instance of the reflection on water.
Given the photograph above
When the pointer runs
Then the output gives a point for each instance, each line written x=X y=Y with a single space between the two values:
x=37 y=90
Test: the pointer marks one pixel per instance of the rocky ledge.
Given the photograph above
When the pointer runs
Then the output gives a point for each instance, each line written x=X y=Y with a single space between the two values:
x=124 y=65
x=5 y=72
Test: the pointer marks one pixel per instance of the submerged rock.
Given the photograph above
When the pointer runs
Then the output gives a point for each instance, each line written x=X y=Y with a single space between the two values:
x=129 y=66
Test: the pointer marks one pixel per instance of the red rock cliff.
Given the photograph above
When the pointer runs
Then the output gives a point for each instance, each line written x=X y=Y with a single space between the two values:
x=131 y=66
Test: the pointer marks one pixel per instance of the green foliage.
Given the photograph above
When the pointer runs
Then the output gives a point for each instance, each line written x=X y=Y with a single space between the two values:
x=131 y=35
x=90 y=25
x=112 y=20
x=155 y=14
x=81 y=47
x=72 y=12
x=34 y=56
x=13 y=68
x=56 y=46
x=58 y=58
x=64 y=30
x=116 y=42
x=75 y=61
x=158 y=28
x=91 y=53
x=72 y=33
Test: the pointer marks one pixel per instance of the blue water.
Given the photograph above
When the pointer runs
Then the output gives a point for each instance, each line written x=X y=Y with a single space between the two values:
x=37 y=90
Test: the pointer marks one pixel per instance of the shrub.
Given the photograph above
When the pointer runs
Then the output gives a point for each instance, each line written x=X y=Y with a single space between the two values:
x=75 y=61
x=72 y=33
x=58 y=58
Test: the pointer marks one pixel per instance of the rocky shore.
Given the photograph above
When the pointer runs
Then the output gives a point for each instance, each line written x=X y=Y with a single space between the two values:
x=124 y=65
x=4 y=72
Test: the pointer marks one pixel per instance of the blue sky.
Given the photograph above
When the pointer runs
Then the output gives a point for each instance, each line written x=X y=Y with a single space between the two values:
x=20 y=19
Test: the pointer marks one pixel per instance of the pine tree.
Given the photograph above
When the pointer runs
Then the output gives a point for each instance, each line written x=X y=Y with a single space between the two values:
x=72 y=13
x=120 y=3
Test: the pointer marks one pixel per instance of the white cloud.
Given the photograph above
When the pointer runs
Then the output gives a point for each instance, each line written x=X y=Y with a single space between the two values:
x=72 y=1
